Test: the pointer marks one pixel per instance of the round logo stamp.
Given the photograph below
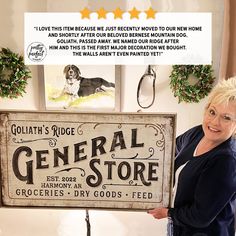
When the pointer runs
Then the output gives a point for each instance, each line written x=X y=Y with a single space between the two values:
x=36 y=51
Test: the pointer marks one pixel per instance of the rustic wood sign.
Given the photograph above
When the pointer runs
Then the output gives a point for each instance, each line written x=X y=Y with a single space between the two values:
x=115 y=161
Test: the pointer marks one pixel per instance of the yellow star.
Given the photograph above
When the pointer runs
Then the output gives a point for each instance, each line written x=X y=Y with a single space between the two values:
x=101 y=13
x=150 y=13
x=118 y=13
x=134 y=13
x=85 y=13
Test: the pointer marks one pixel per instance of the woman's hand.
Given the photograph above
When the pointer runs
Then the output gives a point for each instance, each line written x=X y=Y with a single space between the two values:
x=159 y=213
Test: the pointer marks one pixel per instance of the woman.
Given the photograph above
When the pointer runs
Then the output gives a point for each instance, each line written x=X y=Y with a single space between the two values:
x=204 y=193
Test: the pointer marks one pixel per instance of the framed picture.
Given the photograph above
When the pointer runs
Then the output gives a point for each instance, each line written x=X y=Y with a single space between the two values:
x=86 y=149
x=81 y=88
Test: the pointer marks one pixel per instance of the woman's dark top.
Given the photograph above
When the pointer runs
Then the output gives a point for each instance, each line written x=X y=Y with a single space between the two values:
x=204 y=204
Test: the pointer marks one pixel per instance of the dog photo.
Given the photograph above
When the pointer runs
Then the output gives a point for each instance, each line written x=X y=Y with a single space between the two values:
x=80 y=87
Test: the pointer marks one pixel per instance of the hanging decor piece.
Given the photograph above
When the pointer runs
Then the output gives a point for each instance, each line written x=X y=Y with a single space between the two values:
x=194 y=91
x=13 y=74
x=86 y=160
x=150 y=74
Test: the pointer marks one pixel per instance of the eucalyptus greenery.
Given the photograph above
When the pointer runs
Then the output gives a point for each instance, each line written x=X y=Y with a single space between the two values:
x=183 y=89
x=13 y=74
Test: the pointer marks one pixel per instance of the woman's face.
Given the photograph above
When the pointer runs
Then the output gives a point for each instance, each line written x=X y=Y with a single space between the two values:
x=219 y=122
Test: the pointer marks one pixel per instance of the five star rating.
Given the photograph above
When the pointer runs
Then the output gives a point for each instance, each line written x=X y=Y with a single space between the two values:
x=118 y=13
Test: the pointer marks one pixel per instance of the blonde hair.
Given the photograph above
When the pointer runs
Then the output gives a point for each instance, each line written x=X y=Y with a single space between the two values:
x=224 y=92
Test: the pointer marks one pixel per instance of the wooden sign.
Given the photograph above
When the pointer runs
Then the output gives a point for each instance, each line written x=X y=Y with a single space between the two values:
x=115 y=161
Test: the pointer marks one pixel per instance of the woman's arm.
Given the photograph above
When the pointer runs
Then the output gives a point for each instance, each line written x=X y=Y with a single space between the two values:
x=159 y=213
x=216 y=187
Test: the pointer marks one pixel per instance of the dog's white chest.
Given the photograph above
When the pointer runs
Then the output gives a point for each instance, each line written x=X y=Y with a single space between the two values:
x=72 y=89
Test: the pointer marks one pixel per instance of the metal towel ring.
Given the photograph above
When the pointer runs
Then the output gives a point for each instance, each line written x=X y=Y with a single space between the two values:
x=150 y=73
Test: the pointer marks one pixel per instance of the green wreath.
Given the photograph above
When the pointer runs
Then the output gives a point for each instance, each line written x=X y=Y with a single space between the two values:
x=183 y=89
x=13 y=74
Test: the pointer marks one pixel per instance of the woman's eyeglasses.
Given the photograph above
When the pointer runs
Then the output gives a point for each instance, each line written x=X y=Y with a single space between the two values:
x=224 y=118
